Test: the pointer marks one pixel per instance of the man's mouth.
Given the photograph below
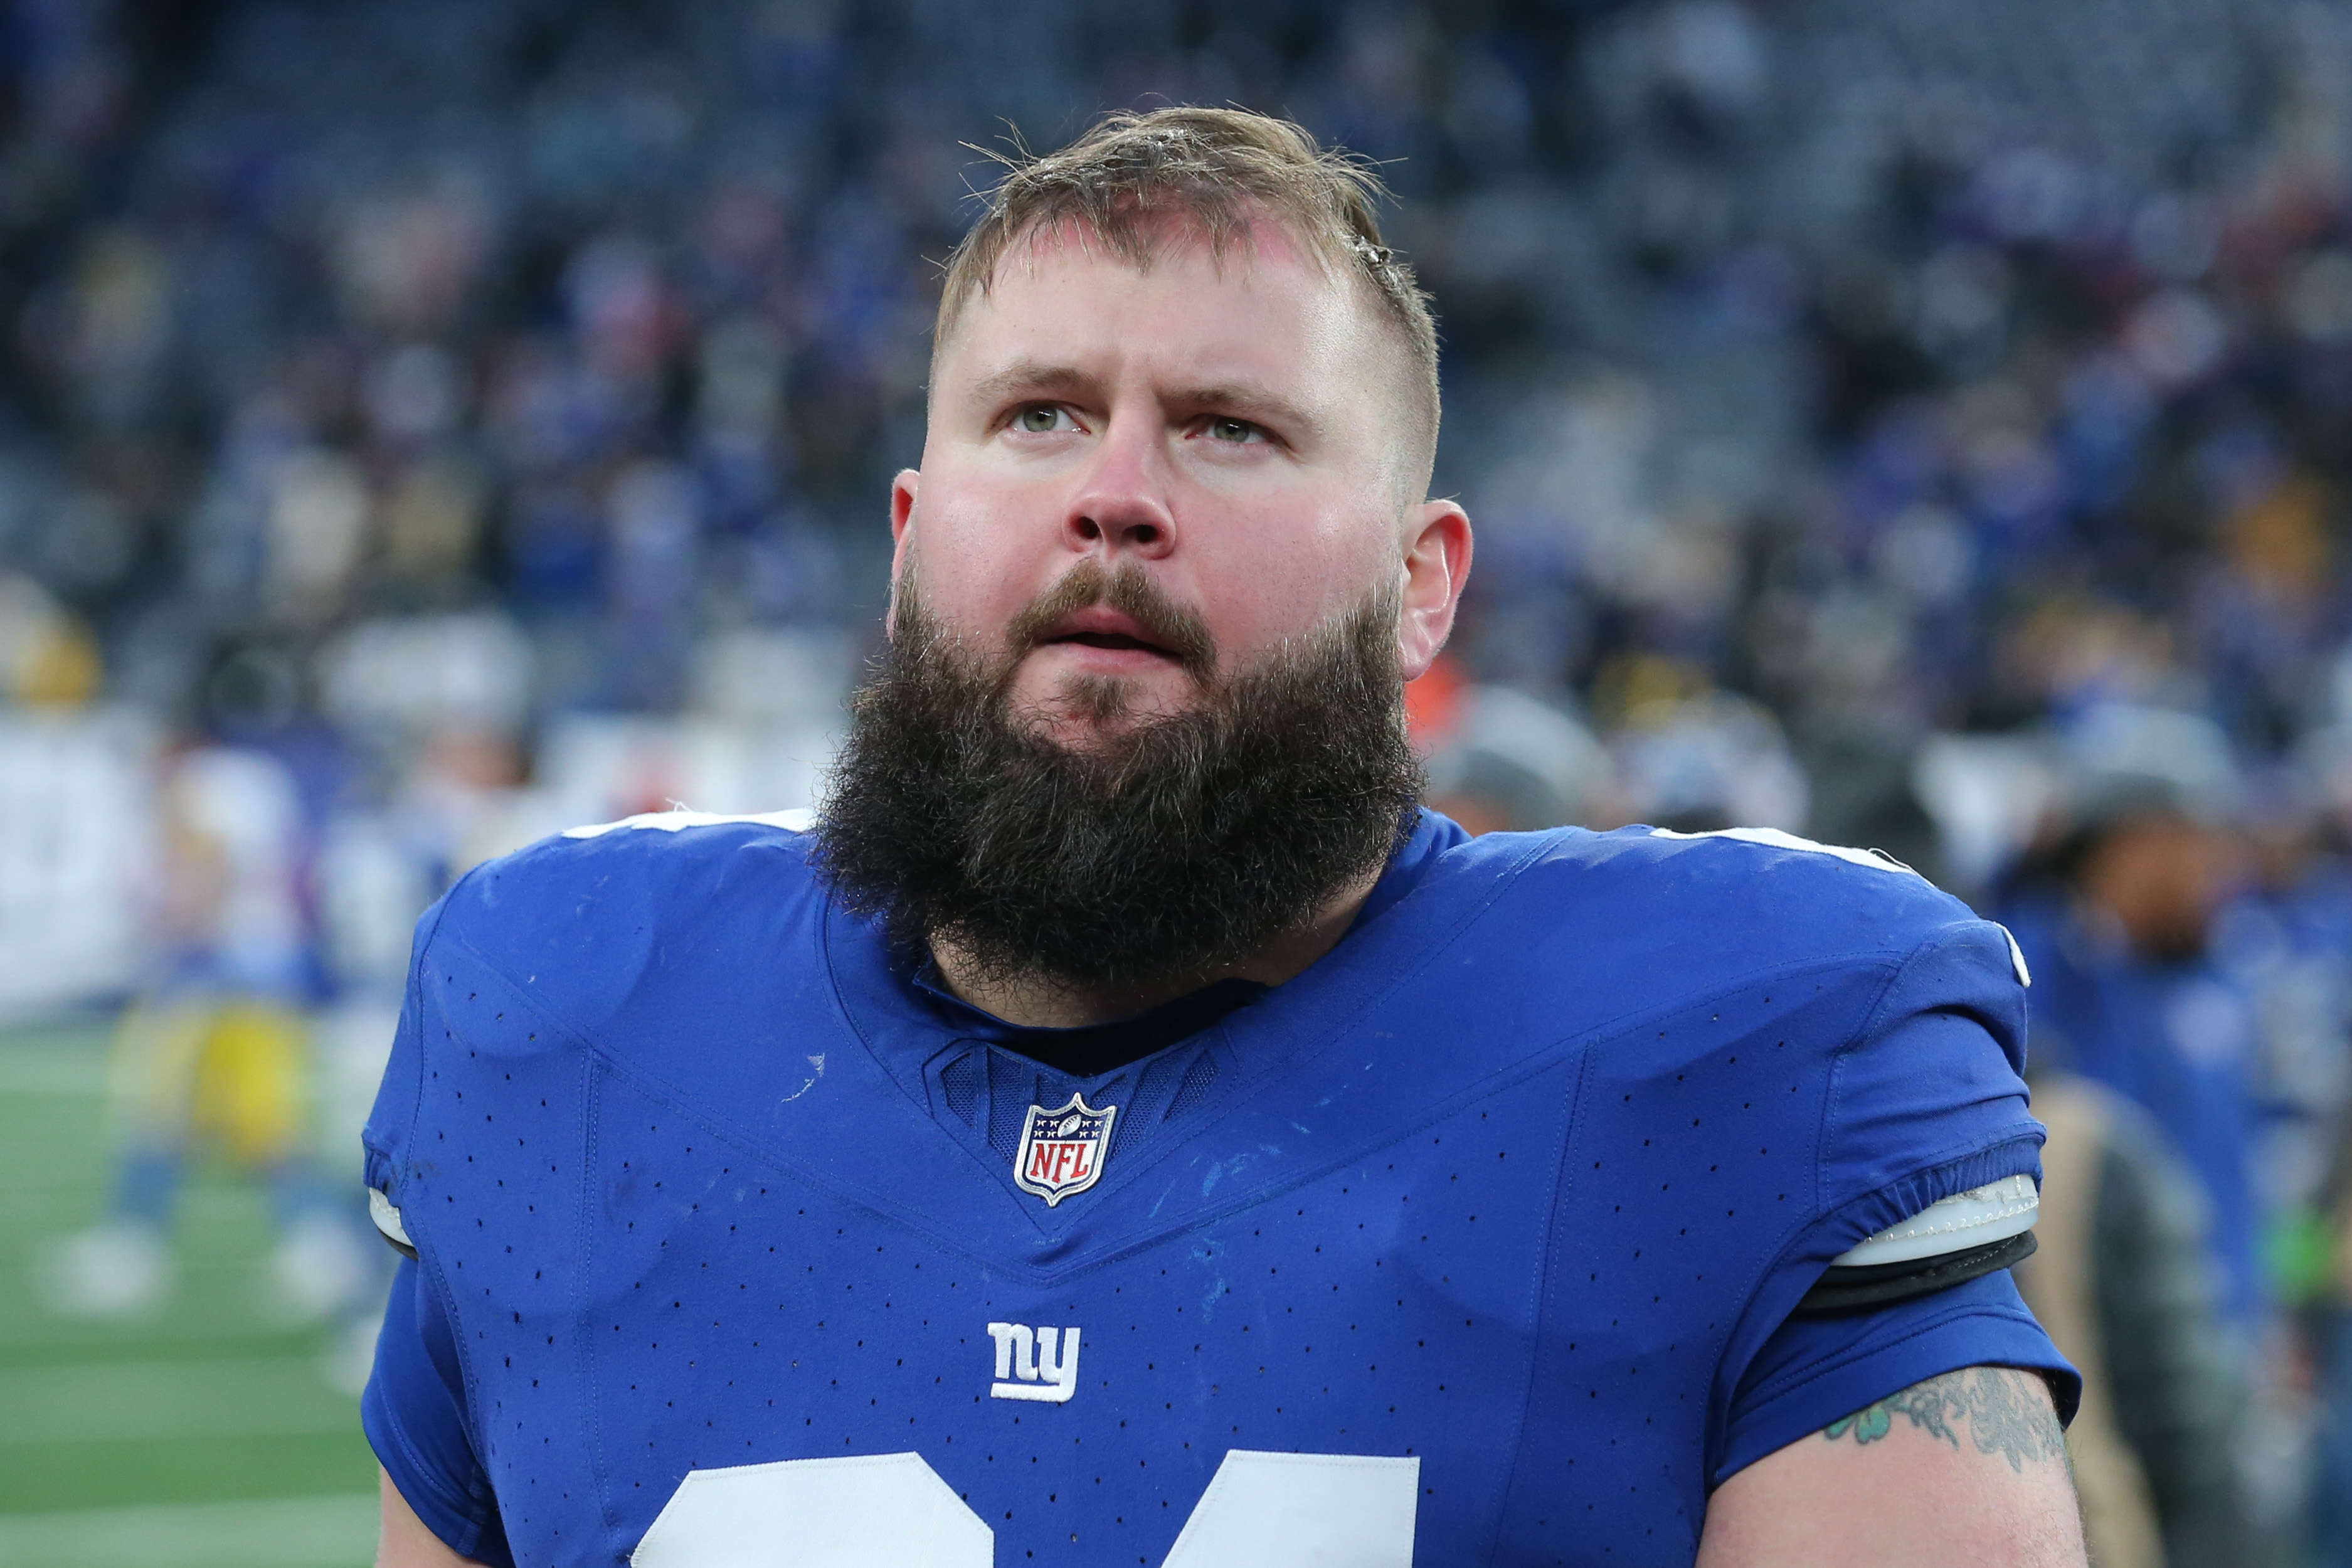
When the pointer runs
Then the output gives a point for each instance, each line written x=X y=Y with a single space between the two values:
x=1109 y=639
x=1113 y=624
x=1105 y=628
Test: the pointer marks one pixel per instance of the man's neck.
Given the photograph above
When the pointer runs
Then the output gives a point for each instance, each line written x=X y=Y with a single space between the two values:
x=1037 y=1002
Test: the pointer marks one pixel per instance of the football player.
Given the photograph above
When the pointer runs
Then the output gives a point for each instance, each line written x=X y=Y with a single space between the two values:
x=1123 y=1128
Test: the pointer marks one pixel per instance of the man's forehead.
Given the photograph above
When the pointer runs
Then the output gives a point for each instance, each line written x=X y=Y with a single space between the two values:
x=1247 y=312
x=1255 y=236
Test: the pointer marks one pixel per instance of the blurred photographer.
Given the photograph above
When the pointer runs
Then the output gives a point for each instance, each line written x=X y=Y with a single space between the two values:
x=2143 y=1052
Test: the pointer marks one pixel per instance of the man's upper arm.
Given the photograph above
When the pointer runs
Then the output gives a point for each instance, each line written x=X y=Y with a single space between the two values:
x=1966 y=1469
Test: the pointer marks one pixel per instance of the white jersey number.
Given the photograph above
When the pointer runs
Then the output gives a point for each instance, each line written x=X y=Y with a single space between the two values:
x=1270 y=1510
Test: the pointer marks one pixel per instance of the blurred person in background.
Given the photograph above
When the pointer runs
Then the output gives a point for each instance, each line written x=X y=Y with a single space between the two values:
x=457 y=798
x=1501 y=759
x=214 y=1058
x=2151 y=1063
x=2122 y=1281
x=2328 y=1325
x=2115 y=917
x=2294 y=933
x=1704 y=761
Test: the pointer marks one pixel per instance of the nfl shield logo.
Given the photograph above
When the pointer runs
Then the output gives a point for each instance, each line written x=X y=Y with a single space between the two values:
x=1062 y=1150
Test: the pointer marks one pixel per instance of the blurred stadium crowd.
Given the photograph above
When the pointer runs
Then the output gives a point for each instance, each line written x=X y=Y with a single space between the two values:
x=425 y=425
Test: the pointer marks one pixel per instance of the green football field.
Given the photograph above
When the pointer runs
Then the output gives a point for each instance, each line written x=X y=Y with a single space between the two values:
x=203 y=1435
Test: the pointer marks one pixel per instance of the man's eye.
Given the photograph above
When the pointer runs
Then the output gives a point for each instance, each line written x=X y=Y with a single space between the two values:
x=1234 y=430
x=1042 y=418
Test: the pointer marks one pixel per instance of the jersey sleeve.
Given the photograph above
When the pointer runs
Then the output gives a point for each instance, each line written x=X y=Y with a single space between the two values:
x=414 y=1412
x=1927 y=1102
x=1815 y=1371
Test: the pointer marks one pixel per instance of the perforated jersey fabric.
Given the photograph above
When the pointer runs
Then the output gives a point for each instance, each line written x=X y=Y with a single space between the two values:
x=1490 y=1223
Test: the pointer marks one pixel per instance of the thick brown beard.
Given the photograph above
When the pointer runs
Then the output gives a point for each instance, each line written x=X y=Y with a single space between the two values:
x=1172 y=846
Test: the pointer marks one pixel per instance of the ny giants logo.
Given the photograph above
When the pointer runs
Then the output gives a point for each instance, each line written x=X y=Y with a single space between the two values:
x=1062 y=1150
x=1034 y=1364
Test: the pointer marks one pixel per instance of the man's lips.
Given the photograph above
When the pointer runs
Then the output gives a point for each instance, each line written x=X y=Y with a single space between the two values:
x=1112 y=622
x=1105 y=628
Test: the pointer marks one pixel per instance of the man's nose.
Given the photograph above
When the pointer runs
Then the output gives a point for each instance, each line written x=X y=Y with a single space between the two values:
x=1123 y=500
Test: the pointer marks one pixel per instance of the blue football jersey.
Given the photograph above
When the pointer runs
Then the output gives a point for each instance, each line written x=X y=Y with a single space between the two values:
x=739 y=1241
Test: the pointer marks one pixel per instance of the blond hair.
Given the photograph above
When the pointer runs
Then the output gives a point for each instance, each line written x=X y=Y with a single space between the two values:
x=1125 y=178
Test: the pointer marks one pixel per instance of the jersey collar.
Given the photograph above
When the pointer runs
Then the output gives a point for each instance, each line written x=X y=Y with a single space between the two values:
x=904 y=994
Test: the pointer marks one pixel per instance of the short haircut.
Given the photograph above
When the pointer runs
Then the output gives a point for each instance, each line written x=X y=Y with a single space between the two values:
x=1217 y=167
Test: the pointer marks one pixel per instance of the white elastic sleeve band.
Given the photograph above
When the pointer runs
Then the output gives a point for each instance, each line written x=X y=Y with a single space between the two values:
x=1960 y=1223
x=387 y=1219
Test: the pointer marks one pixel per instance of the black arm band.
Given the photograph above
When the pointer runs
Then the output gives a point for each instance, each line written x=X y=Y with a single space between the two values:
x=1883 y=1284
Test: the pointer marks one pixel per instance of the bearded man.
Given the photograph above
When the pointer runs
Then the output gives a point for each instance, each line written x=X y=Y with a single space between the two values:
x=1124 y=1127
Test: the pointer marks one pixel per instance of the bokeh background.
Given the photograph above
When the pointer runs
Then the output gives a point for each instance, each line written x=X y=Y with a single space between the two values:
x=428 y=424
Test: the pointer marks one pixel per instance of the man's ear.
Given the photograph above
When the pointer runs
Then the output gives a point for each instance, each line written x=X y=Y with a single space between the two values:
x=902 y=505
x=902 y=516
x=1436 y=564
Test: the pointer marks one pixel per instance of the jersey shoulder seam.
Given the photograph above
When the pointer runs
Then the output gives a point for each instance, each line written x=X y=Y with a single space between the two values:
x=547 y=861
x=794 y=820
x=572 y=1033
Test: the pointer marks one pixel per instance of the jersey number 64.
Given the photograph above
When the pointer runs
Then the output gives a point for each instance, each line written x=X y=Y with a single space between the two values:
x=1270 y=1510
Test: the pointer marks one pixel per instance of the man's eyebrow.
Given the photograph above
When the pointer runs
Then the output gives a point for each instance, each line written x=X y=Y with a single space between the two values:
x=1030 y=378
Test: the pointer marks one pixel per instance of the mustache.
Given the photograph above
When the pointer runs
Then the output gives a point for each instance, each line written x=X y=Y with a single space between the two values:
x=1131 y=592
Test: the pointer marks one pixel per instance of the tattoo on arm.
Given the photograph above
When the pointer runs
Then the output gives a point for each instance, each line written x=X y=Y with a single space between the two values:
x=1998 y=1404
